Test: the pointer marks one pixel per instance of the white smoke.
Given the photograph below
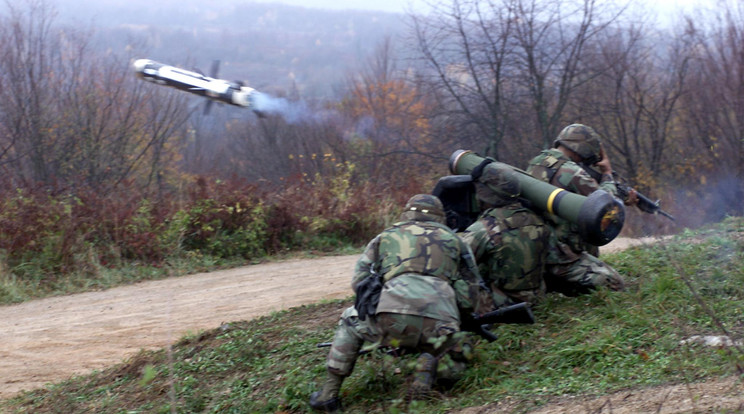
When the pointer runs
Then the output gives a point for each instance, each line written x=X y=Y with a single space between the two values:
x=291 y=111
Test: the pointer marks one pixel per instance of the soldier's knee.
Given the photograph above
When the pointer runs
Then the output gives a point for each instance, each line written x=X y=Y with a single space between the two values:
x=341 y=370
x=616 y=283
x=602 y=275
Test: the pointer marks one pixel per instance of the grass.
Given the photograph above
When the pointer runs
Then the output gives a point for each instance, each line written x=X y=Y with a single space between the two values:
x=14 y=289
x=589 y=345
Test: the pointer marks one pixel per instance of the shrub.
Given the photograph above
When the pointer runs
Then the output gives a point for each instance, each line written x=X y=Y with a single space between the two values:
x=226 y=219
x=40 y=232
x=48 y=233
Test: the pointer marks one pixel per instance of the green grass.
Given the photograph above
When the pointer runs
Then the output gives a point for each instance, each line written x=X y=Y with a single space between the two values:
x=15 y=289
x=589 y=345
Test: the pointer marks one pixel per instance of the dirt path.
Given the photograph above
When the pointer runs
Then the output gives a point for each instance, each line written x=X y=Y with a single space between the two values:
x=51 y=339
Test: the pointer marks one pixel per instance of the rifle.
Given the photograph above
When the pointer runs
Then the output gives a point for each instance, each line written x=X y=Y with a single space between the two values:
x=645 y=204
x=520 y=313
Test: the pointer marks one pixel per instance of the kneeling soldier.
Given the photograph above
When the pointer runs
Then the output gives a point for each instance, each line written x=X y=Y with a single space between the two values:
x=429 y=280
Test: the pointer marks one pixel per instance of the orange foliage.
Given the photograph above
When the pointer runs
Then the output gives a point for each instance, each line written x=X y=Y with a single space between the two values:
x=393 y=104
x=397 y=129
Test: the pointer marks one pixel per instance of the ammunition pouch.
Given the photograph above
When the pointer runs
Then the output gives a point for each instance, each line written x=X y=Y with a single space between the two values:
x=368 y=295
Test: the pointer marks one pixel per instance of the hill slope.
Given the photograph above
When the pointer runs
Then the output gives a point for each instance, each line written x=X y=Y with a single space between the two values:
x=581 y=350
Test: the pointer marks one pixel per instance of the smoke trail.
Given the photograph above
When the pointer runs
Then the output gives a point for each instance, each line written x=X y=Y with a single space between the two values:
x=291 y=111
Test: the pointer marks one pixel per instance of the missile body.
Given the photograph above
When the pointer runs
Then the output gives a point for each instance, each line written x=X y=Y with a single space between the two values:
x=233 y=93
x=600 y=217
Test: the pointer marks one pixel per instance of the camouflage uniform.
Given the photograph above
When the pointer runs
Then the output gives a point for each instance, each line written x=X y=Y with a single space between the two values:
x=431 y=281
x=573 y=267
x=510 y=245
x=510 y=242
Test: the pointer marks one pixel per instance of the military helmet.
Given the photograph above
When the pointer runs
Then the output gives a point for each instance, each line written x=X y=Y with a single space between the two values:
x=424 y=207
x=497 y=187
x=582 y=140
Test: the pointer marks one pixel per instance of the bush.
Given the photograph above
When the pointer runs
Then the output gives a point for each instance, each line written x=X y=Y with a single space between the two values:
x=40 y=232
x=48 y=233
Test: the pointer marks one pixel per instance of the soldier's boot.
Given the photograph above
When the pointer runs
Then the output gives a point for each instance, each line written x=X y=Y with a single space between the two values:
x=327 y=399
x=449 y=372
x=423 y=377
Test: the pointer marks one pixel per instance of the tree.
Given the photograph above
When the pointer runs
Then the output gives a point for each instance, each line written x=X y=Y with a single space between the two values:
x=466 y=46
x=714 y=110
x=552 y=36
x=634 y=103
x=73 y=115
x=498 y=60
x=28 y=89
x=387 y=117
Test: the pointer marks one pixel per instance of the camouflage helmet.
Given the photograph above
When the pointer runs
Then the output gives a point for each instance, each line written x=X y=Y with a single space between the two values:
x=424 y=207
x=497 y=187
x=582 y=140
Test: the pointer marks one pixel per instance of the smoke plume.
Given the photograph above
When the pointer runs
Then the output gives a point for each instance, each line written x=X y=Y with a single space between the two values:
x=291 y=111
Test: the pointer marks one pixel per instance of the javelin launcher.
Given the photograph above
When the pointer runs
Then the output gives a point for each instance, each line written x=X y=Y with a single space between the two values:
x=220 y=90
x=599 y=216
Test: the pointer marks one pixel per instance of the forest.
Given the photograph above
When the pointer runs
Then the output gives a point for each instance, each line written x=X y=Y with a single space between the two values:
x=100 y=169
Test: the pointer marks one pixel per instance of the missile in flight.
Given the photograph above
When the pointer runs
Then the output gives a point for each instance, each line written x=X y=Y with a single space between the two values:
x=220 y=90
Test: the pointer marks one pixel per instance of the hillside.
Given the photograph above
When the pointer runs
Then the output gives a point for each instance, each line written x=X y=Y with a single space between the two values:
x=617 y=352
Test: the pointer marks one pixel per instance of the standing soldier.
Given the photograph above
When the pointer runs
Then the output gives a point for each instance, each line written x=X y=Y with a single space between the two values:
x=430 y=283
x=573 y=264
x=510 y=241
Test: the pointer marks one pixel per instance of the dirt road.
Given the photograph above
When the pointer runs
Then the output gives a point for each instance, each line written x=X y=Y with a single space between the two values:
x=51 y=339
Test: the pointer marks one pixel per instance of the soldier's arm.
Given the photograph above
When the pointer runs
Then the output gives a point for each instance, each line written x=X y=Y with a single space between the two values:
x=473 y=238
x=472 y=293
x=582 y=183
x=482 y=244
x=365 y=262
x=607 y=181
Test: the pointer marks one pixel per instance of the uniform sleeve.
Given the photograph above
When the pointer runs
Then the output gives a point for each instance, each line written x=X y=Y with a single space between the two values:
x=582 y=183
x=471 y=292
x=471 y=237
x=476 y=236
x=365 y=262
x=608 y=184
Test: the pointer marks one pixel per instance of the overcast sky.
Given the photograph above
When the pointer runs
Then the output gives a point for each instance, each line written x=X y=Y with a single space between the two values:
x=662 y=7
x=400 y=6
x=396 y=6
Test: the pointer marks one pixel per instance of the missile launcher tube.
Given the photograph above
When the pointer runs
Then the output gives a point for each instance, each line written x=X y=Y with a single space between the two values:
x=600 y=216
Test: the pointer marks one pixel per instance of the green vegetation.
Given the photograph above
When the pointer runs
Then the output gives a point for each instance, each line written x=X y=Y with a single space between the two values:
x=589 y=345
x=54 y=243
